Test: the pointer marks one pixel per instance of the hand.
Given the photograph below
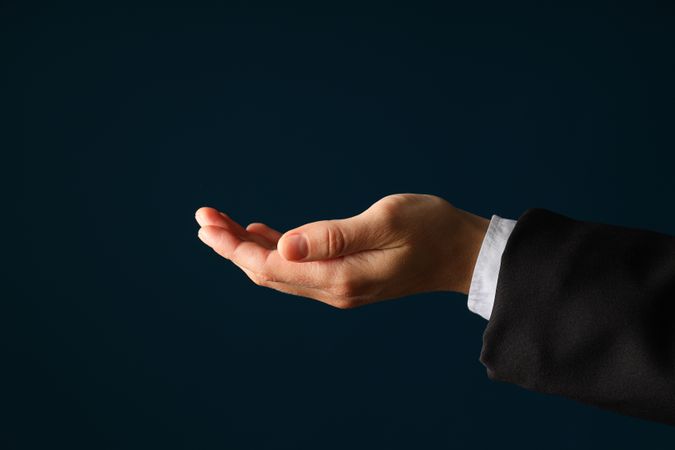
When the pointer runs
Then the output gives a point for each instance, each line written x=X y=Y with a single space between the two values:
x=401 y=245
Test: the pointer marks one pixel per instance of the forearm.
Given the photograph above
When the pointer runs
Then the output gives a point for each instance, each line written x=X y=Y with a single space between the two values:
x=585 y=310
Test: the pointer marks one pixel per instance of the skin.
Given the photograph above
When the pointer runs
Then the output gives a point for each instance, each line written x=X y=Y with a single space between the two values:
x=403 y=244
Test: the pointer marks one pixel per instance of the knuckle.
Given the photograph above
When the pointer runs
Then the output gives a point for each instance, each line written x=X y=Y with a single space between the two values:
x=389 y=204
x=346 y=288
x=262 y=279
x=344 y=304
x=265 y=278
x=335 y=240
x=388 y=210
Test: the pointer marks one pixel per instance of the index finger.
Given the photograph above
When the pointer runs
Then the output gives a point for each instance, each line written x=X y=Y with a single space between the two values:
x=268 y=263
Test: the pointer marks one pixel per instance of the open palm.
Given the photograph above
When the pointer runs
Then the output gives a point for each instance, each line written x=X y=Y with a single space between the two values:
x=398 y=246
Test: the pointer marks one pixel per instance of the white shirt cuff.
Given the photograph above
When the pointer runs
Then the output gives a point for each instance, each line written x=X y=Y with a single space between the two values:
x=486 y=271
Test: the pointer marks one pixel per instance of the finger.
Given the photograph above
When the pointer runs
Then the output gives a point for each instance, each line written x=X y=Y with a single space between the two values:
x=301 y=291
x=250 y=253
x=212 y=217
x=263 y=241
x=267 y=232
x=268 y=263
x=206 y=216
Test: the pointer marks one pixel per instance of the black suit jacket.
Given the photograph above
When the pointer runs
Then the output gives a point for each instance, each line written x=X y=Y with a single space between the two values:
x=586 y=310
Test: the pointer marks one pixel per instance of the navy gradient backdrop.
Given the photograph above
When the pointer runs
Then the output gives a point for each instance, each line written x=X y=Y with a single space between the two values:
x=123 y=331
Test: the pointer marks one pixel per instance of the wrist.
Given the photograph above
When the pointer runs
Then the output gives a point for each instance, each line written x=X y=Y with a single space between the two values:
x=471 y=232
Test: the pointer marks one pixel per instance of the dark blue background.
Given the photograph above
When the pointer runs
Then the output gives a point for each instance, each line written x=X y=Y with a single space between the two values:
x=124 y=331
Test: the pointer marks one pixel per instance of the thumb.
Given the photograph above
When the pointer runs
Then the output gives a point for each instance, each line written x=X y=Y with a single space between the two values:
x=327 y=239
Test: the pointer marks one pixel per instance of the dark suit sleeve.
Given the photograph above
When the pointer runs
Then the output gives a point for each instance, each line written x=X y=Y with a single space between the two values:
x=586 y=310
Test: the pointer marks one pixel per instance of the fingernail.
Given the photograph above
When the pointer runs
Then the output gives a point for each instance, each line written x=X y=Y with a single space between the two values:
x=297 y=246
